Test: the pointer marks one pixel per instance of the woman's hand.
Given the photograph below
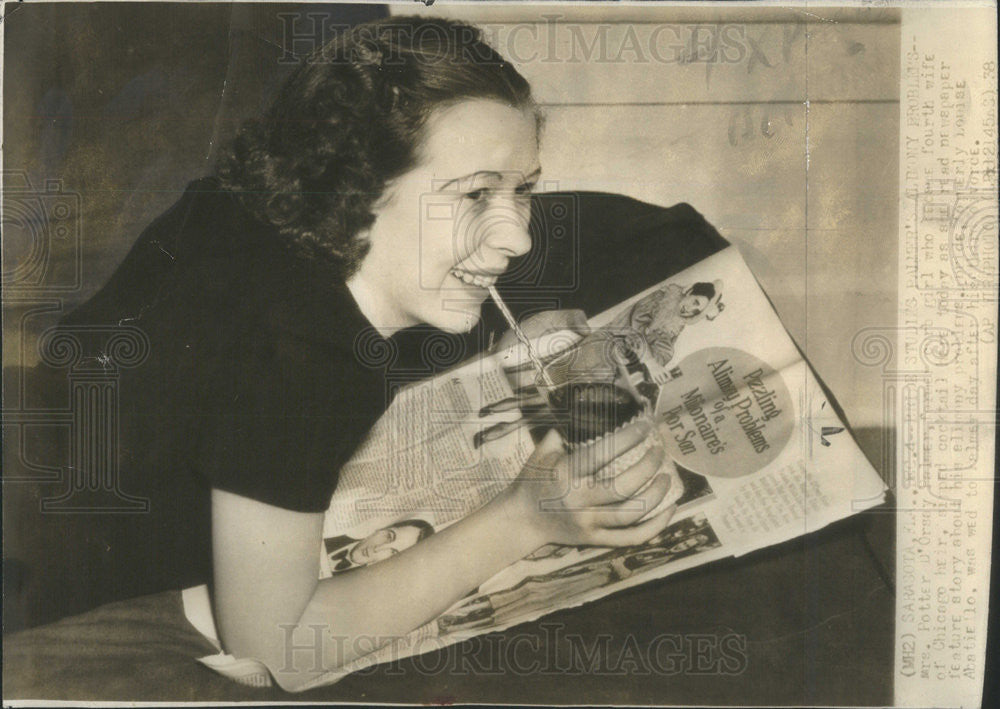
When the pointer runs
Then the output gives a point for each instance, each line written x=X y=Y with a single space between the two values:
x=564 y=502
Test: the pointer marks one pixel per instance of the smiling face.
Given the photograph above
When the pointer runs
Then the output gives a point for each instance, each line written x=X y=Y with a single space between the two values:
x=384 y=543
x=451 y=225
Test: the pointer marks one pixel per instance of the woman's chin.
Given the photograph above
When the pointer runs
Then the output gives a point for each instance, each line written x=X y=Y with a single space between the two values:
x=457 y=322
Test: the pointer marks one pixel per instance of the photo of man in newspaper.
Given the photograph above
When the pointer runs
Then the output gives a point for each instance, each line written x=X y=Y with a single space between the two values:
x=347 y=553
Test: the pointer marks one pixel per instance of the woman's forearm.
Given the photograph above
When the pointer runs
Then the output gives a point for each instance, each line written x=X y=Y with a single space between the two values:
x=352 y=613
x=270 y=606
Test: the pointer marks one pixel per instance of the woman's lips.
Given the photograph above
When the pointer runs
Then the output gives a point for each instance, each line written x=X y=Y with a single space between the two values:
x=479 y=280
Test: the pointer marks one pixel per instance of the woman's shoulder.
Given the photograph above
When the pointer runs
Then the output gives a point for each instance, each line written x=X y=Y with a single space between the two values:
x=206 y=225
x=209 y=221
x=207 y=259
x=209 y=284
x=206 y=219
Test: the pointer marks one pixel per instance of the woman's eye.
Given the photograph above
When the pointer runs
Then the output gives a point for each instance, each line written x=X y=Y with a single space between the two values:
x=526 y=188
x=477 y=195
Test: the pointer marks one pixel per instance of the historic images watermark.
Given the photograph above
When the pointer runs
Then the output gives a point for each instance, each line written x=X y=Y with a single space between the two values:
x=43 y=231
x=553 y=651
x=553 y=40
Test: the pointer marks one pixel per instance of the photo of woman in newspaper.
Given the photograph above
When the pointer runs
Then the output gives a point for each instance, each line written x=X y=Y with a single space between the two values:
x=347 y=553
x=663 y=314
x=545 y=592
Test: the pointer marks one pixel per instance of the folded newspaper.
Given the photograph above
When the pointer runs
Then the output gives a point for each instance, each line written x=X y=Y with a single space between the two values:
x=758 y=453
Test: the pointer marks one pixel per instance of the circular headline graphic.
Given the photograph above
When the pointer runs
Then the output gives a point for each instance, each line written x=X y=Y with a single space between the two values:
x=725 y=413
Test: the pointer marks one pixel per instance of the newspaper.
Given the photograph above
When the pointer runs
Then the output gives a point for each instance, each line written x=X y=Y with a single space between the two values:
x=758 y=454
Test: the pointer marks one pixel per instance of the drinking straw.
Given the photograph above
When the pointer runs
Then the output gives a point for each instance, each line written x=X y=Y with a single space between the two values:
x=532 y=354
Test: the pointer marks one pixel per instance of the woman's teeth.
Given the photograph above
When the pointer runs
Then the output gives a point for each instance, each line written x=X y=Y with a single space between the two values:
x=473 y=279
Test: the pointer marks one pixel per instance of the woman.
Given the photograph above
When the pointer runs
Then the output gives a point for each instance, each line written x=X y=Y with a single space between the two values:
x=385 y=189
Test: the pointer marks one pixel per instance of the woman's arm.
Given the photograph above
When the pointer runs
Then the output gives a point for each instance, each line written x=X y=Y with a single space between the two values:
x=269 y=599
x=270 y=605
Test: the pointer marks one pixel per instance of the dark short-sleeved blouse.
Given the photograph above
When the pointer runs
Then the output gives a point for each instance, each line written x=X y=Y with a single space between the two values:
x=262 y=379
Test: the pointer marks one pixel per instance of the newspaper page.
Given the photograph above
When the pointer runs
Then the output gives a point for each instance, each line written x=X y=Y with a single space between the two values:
x=847 y=150
x=763 y=454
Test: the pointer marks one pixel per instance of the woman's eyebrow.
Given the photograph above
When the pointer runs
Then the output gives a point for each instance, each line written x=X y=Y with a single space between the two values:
x=470 y=177
x=486 y=173
x=533 y=175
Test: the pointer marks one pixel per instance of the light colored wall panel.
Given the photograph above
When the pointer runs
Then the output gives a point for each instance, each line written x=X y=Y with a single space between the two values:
x=596 y=55
x=741 y=166
x=853 y=62
x=656 y=62
x=852 y=244
x=853 y=169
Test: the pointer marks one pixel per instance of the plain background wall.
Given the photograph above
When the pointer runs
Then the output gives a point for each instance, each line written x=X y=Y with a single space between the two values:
x=780 y=126
x=789 y=146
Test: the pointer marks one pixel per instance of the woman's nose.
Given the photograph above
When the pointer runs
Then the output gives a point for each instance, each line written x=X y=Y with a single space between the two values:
x=509 y=234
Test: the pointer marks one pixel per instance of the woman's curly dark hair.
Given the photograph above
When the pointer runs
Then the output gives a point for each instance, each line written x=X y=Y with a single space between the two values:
x=351 y=118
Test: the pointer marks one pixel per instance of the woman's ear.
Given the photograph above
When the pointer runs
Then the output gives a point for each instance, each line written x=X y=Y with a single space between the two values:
x=363 y=238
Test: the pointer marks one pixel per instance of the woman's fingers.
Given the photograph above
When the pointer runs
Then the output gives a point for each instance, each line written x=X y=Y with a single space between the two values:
x=509 y=404
x=591 y=458
x=610 y=491
x=582 y=508
x=548 y=451
x=636 y=534
x=634 y=479
x=524 y=400
x=630 y=511
x=644 y=531
x=547 y=322
x=551 y=321
x=532 y=399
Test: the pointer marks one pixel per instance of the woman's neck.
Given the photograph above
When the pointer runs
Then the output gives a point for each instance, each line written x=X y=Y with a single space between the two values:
x=371 y=305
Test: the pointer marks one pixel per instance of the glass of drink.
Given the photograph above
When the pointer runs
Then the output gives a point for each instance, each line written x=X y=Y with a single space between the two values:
x=588 y=391
x=589 y=395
